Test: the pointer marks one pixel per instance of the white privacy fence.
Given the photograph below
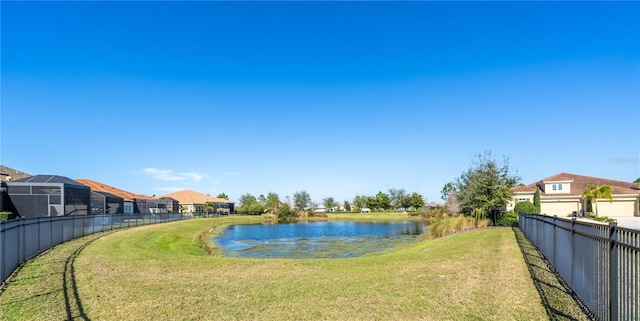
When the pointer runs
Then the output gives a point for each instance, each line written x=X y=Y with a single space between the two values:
x=600 y=262
x=22 y=239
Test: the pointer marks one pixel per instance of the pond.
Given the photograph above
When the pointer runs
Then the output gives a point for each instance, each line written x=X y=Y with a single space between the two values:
x=316 y=239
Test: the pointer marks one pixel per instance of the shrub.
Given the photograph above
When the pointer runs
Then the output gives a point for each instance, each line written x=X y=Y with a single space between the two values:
x=525 y=207
x=446 y=225
x=287 y=214
x=269 y=218
x=321 y=215
x=600 y=218
x=6 y=216
x=508 y=219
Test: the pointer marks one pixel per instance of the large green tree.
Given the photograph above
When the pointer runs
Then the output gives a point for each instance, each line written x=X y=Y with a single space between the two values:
x=360 y=202
x=249 y=205
x=414 y=200
x=595 y=192
x=223 y=196
x=273 y=200
x=247 y=199
x=637 y=180
x=329 y=203
x=383 y=201
x=301 y=199
x=397 y=197
x=484 y=186
x=446 y=190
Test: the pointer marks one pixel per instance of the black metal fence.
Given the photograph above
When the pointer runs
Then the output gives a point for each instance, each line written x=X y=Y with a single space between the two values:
x=600 y=262
x=23 y=239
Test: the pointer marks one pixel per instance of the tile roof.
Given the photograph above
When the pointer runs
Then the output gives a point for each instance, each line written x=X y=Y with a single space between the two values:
x=579 y=185
x=9 y=174
x=100 y=187
x=192 y=197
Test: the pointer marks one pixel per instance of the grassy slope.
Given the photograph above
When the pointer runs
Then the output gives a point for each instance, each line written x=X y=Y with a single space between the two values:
x=158 y=273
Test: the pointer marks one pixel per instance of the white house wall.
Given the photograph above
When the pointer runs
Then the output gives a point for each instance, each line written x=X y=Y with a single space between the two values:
x=560 y=207
x=626 y=207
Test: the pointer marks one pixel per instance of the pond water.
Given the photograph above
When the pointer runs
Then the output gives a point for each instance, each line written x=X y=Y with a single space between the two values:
x=316 y=239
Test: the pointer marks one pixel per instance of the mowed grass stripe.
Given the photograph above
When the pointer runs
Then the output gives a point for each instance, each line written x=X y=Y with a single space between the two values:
x=160 y=273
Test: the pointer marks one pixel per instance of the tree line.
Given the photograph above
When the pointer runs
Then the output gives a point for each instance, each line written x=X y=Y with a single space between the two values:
x=395 y=199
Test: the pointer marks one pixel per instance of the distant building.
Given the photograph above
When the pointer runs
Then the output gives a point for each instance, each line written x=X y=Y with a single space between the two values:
x=46 y=195
x=132 y=202
x=560 y=195
x=8 y=174
x=194 y=202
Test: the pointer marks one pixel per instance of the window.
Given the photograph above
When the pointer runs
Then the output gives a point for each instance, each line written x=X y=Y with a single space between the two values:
x=559 y=187
x=521 y=200
x=554 y=187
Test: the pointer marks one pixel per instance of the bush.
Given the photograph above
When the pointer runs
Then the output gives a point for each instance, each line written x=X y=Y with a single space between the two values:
x=508 y=219
x=600 y=218
x=6 y=216
x=525 y=207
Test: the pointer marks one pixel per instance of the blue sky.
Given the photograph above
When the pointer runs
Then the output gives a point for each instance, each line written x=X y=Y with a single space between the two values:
x=335 y=98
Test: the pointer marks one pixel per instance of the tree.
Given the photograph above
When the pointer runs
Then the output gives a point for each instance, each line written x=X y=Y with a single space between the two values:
x=208 y=207
x=485 y=185
x=223 y=196
x=347 y=206
x=371 y=202
x=593 y=193
x=273 y=201
x=452 y=204
x=329 y=203
x=637 y=180
x=536 y=200
x=397 y=197
x=183 y=208
x=301 y=199
x=247 y=199
x=383 y=201
x=360 y=202
x=414 y=200
x=446 y=190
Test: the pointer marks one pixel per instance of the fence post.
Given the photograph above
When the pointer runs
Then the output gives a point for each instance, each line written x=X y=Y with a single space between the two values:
x=554 y=240
x=613 y=271
x=573 y=251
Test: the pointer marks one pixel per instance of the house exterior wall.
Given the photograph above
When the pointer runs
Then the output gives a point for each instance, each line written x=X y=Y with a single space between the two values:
x=621 y=207
x=560 y=188
x=560 y=206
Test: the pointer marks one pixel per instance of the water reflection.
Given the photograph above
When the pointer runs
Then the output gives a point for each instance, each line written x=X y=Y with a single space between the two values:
x=316 y=239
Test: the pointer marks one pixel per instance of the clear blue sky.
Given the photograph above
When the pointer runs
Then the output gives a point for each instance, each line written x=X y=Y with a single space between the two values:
x=335 y=98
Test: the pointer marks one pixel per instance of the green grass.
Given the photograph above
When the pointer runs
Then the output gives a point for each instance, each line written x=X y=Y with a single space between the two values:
x=159 y=272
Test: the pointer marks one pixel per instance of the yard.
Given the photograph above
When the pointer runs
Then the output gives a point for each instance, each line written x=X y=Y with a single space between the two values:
x=159 y=272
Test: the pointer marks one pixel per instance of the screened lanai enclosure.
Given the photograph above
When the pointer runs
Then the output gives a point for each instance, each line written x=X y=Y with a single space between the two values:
x=106 y=203
x=46 y=195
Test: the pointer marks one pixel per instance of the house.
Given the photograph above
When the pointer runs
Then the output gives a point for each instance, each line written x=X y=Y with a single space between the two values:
x=560 y=195
x=8 y=174
x=194 y=202
x=132 y=203
x=46 y=195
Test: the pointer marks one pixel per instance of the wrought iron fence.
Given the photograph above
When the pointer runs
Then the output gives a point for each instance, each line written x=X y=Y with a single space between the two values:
x=22 y=239
x=600 y=262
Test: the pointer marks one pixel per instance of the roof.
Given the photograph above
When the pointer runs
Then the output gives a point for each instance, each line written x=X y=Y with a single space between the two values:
x=579 y=185
x=101 y=187
x=192 y=197
x=55 y=179
x=9 y=174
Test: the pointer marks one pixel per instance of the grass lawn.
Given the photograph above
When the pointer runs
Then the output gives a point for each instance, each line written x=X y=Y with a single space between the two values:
x=158 y=272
